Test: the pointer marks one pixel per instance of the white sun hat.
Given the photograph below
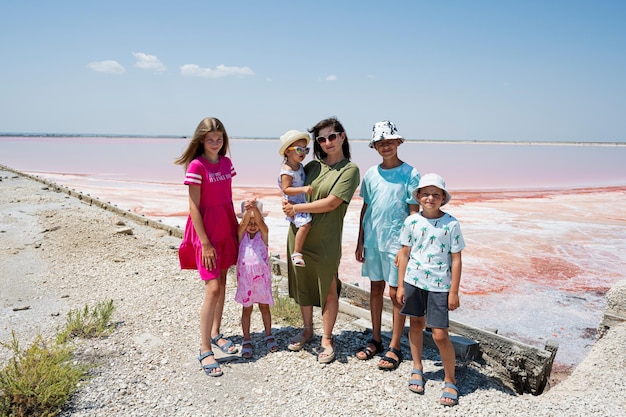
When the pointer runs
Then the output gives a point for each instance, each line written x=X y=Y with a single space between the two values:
x=289 y=137
x=259 y=205
x=437 y=181
x=384 y=130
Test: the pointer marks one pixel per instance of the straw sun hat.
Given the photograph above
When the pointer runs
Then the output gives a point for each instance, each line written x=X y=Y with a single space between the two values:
x=289 y=137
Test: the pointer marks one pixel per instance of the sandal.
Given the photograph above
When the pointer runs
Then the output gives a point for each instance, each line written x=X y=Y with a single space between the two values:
x=227 y=347
x=446 y=394
x=246 y=349
x=298 y=342
x=369 y=353
x=419 y=382
x=297 y=259
x=210 y=368
x=325 y=356
x=394 y=362
x=272 y=346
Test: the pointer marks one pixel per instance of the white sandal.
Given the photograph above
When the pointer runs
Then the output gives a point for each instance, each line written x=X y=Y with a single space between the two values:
x=297 y=259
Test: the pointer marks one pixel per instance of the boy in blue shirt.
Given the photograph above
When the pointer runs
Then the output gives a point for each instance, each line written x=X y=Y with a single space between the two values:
x=387 y=200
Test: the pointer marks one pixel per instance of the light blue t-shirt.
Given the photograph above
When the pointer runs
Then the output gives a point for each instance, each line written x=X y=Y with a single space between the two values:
x=432 y=242
x=387 y=193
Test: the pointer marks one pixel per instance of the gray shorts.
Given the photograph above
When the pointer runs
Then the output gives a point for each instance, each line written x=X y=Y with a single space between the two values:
x=419 y=302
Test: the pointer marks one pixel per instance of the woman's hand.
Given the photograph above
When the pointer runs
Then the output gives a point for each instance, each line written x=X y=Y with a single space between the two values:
x=289 y=209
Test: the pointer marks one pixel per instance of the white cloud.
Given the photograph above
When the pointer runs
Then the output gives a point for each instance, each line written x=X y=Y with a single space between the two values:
x=109 y=67
x=194 y=70
x=331 y=77
x=145 y=61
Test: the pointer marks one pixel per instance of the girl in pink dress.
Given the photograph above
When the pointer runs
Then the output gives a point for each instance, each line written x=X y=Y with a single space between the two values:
x=254 y=275
x=210 y=241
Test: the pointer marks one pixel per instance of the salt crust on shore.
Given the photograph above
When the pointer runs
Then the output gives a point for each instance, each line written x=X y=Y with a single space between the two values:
x=58 y=254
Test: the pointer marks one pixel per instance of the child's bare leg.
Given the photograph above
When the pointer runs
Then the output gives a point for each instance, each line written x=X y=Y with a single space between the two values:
x=396 y=332
x=398 y=320
x=301 y=234
x=377 y=290
x=207 y=311
x=246 y=314
x=246 y=345
x=219 y=309
x=448 y=358
x=416 y=341
x=266 y=315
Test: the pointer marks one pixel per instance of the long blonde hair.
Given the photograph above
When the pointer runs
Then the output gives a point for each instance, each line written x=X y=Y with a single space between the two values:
x=196 y=144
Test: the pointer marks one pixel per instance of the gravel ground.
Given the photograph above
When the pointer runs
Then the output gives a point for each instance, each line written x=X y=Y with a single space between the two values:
x=59 y=253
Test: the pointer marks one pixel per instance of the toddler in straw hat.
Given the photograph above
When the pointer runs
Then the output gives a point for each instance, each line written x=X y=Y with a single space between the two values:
x=294 y=148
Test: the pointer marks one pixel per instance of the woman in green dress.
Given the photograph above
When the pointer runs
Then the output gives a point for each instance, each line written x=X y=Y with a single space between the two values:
x=334 y=179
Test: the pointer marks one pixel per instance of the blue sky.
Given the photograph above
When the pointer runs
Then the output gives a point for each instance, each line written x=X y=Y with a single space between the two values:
x=441 y=70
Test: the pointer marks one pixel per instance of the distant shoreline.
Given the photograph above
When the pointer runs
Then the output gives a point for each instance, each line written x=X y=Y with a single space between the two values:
x=460 y=194
x=429 y=141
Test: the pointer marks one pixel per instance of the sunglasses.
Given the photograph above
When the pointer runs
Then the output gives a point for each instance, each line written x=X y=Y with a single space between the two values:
x=299 y=150
x=330 y=138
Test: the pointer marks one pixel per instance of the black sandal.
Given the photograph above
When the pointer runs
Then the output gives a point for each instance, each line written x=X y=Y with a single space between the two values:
x=394 y=363
x=369 y=353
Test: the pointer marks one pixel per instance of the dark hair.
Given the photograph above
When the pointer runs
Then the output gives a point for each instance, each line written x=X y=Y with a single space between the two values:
x=338 y=127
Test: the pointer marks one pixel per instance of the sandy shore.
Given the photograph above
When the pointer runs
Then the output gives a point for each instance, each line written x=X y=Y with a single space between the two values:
x=59 y=253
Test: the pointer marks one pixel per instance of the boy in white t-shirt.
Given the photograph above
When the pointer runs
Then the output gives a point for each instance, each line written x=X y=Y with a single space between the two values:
x=429 y=274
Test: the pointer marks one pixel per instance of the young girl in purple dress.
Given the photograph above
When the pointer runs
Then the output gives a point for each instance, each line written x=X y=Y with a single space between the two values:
x=254 y=275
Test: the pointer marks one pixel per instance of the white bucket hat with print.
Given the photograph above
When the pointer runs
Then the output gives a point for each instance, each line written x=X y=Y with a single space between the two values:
x=437 y=181
x=385 y=130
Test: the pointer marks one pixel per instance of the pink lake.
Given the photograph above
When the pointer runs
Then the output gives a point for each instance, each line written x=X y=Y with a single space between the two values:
x=544 y=224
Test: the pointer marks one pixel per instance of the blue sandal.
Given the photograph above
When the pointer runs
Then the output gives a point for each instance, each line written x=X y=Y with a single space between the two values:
x=209 y=368
x=246 y=349
x=227 y=347
x=271 y=343
x=419 y=382
x=446 y=394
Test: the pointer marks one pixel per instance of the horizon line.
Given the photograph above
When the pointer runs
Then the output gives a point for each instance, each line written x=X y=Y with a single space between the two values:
x=444 y=141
